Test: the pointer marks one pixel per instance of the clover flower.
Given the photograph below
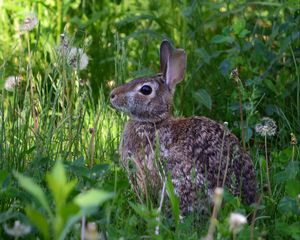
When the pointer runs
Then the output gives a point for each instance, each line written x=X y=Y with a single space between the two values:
x=18 y=230
x=29 y=23
x=236 y=222
x=267 y=127
x=11 y=83
x=77 y=58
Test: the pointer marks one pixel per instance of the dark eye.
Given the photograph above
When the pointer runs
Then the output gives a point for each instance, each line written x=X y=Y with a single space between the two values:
x=146 y=90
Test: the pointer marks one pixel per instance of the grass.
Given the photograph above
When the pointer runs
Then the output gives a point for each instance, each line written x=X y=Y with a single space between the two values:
x=59 y=113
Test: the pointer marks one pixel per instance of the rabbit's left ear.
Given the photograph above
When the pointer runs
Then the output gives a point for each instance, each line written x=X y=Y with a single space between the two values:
x=165 y=51
x=175 y=68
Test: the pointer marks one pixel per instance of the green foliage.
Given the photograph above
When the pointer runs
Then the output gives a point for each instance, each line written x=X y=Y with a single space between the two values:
x=58 y=223
x=61 y=112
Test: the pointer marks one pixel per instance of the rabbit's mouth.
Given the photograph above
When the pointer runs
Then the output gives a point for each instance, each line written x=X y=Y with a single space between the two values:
x=117 y=104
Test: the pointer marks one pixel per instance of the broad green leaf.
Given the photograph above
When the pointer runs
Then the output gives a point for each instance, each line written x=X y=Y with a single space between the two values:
x=92 y=198
x=174 y=201
x=38 y=220
x=239 y=25
x=34 y=189
x=292 y=169
x=203 y=97
x=287 y=205
x=60 y=188
x=288 y=230
x=292 y=187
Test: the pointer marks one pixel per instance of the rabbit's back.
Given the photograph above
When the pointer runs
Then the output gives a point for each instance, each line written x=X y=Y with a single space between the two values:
x=200 y=154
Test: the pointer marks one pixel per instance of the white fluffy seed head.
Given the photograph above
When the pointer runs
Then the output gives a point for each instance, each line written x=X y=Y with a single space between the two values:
x=18 y=230
x=29 y=22
x=77 y=58
x=236 y=222
x=266 y=127
x=11 y=83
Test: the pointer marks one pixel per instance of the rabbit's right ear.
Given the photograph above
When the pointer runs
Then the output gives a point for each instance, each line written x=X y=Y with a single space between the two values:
x=172 y=64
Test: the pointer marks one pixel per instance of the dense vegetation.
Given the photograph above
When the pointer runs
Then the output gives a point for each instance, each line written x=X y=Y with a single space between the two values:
x=59 y=136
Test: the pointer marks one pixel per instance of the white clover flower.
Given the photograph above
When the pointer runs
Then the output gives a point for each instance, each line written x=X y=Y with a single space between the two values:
x=236 y=222
x=77 y=58
x=267 y=127
x=29 y=23
x=11 y=83
x=18 y=230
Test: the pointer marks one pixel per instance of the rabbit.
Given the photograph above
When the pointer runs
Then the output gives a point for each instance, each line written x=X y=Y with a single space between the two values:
x=198 y=153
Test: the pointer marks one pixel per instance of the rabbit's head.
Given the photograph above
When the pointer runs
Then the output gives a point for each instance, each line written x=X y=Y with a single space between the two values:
x=149 y=99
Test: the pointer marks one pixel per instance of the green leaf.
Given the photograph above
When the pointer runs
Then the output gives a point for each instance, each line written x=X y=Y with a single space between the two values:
x=60 y=188
x=34 y=189
x=92 y=198
x=288 y=230
x=287 y=205
x=292 y=169
x=203 y=97
x=292 y=187
x=71 y=214
x=239 y=25
x=243 y=33
x=38 y=220
x=174 y=201
x=222 y=39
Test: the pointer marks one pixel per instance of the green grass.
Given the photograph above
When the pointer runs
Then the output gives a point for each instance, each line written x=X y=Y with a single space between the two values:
x=58 y=113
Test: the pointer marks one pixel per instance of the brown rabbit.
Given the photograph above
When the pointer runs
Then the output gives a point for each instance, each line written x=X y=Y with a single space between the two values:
x=199 y=153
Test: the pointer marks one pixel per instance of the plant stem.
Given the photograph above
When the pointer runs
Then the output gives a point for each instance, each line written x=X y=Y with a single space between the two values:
x=267 y=168
x=242 y=117
x=254 y=216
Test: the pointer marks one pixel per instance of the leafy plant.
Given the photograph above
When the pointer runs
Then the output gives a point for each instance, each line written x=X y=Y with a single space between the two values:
x=56 y=224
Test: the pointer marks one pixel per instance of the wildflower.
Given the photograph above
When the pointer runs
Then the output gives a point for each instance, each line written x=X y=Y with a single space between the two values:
x=267 y=127
x=11 y=83
x=29 y=23
x=293 y=139
x=236 y=222
x=18 y=230
x=77 y=58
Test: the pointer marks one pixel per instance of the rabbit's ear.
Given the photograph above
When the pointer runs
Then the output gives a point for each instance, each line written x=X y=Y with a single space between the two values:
x=165 y=51
x=175 y=68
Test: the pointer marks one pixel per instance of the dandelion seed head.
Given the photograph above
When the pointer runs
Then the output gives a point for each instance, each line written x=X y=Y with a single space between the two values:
x=266 y=127
x=29 y=23
x=18 y=230
x=236 y=222
x=77 y=58
x=11 y=83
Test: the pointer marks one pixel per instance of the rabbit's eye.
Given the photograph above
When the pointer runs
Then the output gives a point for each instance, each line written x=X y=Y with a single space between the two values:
x=146 y=90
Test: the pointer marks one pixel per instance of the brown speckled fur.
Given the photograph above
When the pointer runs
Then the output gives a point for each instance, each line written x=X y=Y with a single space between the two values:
x=196 y=150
